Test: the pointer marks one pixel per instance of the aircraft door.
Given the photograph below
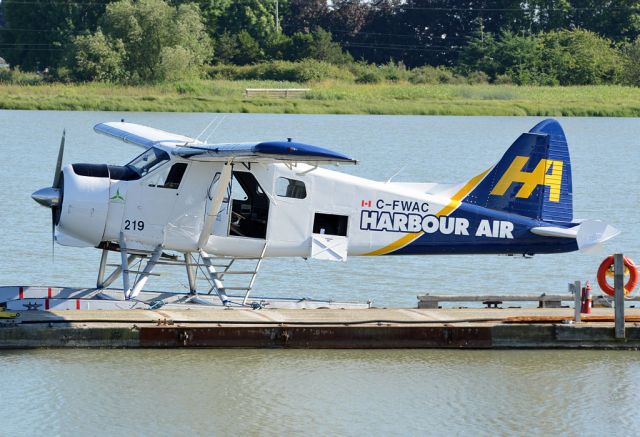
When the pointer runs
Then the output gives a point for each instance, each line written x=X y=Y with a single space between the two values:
x=150 y=203
x=292 y=217
x=195 y=194
x=245 y=209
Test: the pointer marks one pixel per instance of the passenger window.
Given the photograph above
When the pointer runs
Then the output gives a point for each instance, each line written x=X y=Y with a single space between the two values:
x=171 y=177
x=286 y=187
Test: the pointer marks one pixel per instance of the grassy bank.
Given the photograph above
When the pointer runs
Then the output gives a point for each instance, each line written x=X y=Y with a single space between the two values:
x=330 y=98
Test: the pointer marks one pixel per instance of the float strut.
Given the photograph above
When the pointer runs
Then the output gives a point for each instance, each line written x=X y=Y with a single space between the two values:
x=103 y=266
x=116 y=273
x=144 y=276
x=125 y=266
x=191 y=272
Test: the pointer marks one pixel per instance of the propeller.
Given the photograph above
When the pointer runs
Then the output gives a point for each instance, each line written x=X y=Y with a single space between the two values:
x=51 y=197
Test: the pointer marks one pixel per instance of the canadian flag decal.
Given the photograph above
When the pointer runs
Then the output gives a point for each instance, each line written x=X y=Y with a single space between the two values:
x=366 y=203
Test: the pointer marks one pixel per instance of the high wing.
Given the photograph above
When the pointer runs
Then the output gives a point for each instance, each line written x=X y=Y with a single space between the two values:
x=188 y=148
x=142 y=136
x=278 y=151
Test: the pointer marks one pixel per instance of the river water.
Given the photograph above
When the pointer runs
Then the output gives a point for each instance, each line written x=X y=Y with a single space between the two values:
x=326 y=392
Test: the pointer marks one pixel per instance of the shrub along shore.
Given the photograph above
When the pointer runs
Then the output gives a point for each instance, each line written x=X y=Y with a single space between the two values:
x=328 y=97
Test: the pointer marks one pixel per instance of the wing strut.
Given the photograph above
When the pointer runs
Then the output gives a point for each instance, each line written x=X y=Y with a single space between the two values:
x=216 y=201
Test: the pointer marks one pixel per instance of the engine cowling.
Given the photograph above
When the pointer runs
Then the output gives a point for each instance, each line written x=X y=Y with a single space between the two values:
x=84 y=206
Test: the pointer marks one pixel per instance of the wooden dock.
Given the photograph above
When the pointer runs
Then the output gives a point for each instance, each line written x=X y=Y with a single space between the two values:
x=482 y=328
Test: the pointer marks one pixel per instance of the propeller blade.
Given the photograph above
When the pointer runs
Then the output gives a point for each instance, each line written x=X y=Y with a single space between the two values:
x=56 y=178
x=53 y=234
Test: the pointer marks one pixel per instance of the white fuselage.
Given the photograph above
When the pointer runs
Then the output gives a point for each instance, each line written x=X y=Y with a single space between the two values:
x=294 y=200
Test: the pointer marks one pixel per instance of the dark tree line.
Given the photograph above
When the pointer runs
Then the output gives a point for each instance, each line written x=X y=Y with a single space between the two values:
x=497 y=37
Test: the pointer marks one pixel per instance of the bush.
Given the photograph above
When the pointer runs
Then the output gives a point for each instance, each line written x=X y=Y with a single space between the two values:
x=503 y=79
x=366 y=73
x=431 y=75
x=580 y=57
x=304 y=71
x=394 y=72
x=223 y=71
x=478 y=77
x=369 y=76
x=16 y=77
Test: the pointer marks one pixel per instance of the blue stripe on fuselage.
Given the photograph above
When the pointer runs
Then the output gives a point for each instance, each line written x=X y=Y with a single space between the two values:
x=523 y=241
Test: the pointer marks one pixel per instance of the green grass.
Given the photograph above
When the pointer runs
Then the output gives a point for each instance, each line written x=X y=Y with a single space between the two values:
x=330 y=98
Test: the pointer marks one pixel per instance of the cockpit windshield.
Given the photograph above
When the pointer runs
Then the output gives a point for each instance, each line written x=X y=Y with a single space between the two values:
x=148 y=161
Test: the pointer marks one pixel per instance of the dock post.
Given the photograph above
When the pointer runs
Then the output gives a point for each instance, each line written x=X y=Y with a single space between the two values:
x=618 y=286
x=576 y=288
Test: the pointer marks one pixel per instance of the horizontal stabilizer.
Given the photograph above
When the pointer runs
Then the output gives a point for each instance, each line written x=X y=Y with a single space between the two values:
x=590 y=234
x=553 y=231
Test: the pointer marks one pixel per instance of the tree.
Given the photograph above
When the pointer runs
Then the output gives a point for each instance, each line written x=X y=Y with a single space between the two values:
x=348 y=17
x=521 y=58
x=305 y=16
x=545 y=16
x=613 y=19
x=37 y=32
x=211 y=10
x=249 y=50
x=479 y=54
x=147 y=29
x=631 y=66
x=226 y=48
x=316 y=45
x=93 y=57
x=580 y=57
x=256 y=17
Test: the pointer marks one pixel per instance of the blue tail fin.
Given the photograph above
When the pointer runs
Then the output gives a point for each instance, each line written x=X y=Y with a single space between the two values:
x=533 y=178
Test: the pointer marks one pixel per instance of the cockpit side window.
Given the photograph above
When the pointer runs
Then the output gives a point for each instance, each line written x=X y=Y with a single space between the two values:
x=169 y=177
x=148 y=161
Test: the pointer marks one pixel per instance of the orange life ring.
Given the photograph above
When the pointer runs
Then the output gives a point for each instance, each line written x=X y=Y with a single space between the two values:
x=606 y=269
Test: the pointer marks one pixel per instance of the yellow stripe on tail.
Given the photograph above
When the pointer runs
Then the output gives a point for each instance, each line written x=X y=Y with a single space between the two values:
x=453 y=204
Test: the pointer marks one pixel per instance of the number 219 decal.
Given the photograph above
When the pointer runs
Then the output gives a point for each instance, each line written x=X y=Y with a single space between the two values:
x=133 y=225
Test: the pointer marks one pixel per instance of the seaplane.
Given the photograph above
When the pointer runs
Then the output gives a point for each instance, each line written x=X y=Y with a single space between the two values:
x=205 y=206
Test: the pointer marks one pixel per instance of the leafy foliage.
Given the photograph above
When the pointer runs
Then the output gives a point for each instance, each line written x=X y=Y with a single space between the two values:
x=94 y=57
x=156 y=36
x=547 y=42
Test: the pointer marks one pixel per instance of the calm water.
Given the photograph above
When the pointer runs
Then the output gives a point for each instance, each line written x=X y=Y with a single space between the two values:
x=326 y=392
x=276 y=392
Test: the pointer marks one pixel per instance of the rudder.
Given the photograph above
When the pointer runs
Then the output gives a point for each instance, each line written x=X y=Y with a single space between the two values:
x=533 y=178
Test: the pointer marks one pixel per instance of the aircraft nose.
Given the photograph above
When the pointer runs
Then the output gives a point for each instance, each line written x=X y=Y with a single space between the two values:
x=49 y=197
